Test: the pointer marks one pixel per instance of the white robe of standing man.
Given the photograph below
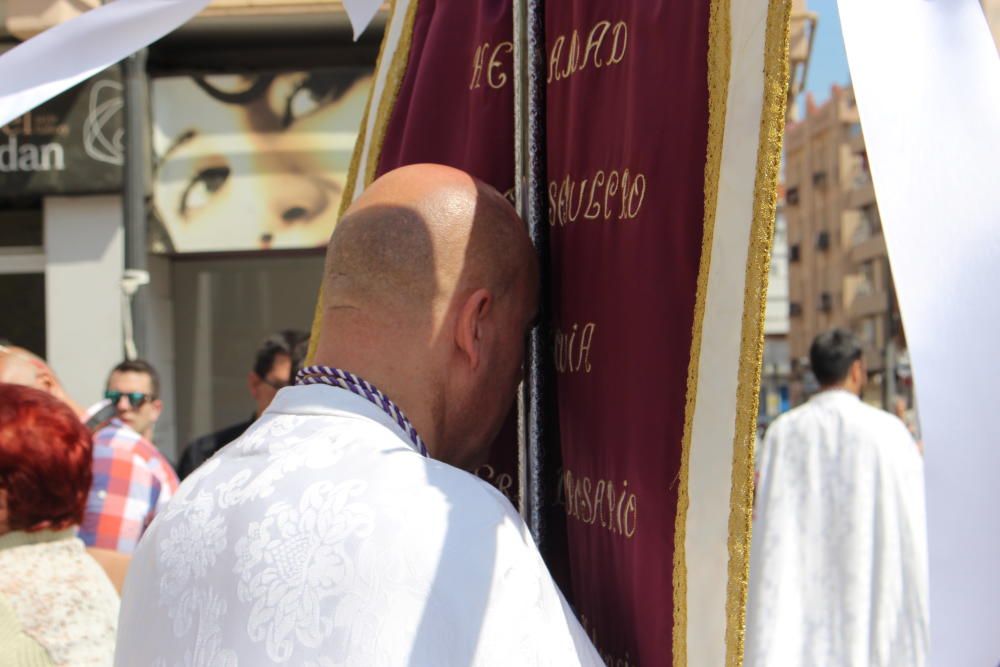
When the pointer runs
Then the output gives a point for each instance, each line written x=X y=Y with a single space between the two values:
x=838 y=565
x=342 y=528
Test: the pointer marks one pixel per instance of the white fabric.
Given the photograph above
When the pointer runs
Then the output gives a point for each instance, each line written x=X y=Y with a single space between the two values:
x=838 y=568
x=360 y=13
x=713 y=428
x=320 y=537
x=927 y=80
x=61 y=57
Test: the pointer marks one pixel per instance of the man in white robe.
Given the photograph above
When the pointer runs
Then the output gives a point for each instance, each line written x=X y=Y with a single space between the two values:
x=838 y=565
x=324 y=535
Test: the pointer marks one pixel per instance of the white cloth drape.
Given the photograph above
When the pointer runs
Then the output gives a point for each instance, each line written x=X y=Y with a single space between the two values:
x=838 y=565
x=320 y=537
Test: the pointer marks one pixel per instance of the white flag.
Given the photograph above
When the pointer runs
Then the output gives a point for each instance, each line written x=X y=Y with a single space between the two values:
x=61 y=57
x=927 y=81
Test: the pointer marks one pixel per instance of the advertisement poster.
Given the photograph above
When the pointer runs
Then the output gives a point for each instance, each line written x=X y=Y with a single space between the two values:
x=252 y=163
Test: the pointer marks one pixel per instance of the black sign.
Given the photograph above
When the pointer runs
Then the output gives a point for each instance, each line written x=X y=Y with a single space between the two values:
x=72 y=144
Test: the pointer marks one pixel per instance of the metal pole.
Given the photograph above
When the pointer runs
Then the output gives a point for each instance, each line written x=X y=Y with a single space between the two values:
x=890 y=340
x=136 y=180
x=529 y=191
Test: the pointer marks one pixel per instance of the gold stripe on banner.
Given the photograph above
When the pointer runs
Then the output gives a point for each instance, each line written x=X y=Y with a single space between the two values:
x=380 y=122
x=719 y=60
x=393 y=81
x=772 y=127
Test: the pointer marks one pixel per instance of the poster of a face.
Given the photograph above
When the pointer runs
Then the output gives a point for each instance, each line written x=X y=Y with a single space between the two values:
x=253 y=162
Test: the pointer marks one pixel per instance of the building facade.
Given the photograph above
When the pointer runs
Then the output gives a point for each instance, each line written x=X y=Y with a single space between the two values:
x=775 y=394
x=248 y=115
x=838 y=266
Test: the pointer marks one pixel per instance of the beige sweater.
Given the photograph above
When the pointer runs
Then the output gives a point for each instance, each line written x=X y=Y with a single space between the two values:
x=57 y=606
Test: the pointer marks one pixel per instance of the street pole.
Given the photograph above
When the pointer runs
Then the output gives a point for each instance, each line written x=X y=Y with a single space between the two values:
x=530 y=198
x=136 y=182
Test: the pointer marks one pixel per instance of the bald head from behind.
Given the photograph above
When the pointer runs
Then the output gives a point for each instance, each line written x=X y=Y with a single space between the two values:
x=23 y=367
x=430 y=286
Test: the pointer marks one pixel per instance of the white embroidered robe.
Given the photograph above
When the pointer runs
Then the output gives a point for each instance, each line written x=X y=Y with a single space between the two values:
x=838 y=565
x=321 y=538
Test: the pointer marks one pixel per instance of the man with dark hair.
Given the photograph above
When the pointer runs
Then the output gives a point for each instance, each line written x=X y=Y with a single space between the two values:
x=133 y=387
x=275 y=364
x=838 y=570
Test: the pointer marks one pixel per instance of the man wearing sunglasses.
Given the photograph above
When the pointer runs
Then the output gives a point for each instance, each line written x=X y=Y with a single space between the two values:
x=134 y=389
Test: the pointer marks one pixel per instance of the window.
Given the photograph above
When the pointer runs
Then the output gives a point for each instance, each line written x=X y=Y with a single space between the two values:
x=794 y=253
x=823 y=240
x=869 y=224
x=794 y=309
x=825 y=302
x=792 y=196
x=819 y=179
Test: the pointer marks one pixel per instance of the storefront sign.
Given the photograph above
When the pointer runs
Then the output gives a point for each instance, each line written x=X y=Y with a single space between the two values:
x=70 y=145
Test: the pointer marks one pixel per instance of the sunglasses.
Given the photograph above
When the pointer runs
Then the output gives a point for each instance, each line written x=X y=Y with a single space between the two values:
x=135 y=398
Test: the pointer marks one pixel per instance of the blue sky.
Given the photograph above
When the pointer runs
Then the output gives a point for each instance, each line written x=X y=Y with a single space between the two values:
x=828 y=64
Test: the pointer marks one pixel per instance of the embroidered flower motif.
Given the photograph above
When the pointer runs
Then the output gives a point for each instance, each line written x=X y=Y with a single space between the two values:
x=192 y=545
x=313 y=451
x=209 y=608
x=297 y=558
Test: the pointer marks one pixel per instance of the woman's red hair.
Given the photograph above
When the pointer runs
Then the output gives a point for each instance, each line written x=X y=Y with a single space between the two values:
x=45 y=460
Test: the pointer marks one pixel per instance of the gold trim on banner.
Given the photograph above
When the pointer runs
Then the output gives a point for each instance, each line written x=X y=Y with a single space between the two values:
x=393 y=81
x=719 y=60
x=359 y=146
x=772 y=127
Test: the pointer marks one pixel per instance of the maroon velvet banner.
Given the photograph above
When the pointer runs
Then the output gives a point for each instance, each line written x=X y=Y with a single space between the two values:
x=455 y=106
x=627 y=130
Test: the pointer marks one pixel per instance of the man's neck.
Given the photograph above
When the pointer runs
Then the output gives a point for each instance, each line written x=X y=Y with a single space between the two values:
x=843 y=386
x=415 y=400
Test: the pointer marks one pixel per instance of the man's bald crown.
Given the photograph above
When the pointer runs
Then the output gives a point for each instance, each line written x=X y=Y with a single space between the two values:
x=421 y=233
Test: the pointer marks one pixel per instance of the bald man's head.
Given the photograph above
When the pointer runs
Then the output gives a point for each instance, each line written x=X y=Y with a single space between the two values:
x=419 y=234
x=21 y=366
x=16 y=368
x=431 y=275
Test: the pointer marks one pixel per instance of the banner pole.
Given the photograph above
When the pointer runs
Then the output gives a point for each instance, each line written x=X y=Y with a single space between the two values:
x=529 y=192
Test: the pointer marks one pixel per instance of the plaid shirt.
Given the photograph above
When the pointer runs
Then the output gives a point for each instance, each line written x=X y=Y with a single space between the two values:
x=132 y=482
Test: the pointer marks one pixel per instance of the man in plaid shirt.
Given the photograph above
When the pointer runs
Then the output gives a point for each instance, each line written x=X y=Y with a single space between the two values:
x=132 y=482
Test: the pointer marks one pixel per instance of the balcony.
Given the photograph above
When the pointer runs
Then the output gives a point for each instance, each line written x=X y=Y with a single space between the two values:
x=861 y=192
x=867 y=304
x=871 y=248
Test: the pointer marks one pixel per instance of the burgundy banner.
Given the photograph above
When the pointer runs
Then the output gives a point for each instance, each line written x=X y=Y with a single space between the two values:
x=627 y=132
x=455 y=106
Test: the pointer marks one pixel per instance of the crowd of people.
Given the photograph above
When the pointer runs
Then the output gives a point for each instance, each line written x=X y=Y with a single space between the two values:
x=79 y=487
x=338 y=525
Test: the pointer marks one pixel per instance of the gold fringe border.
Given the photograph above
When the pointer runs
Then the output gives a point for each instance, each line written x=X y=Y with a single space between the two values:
x=772 y=127
x=719 y=61
x=393 y=81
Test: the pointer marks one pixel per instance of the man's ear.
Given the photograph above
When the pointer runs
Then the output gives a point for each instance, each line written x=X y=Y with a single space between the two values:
x=858 y=372
x=471 y=324
x=252 y=383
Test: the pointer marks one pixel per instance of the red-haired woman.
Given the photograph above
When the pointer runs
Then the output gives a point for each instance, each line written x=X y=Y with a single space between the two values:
x=57 y=606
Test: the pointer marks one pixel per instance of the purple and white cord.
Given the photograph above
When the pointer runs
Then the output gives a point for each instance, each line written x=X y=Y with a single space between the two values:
x=336 y=377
